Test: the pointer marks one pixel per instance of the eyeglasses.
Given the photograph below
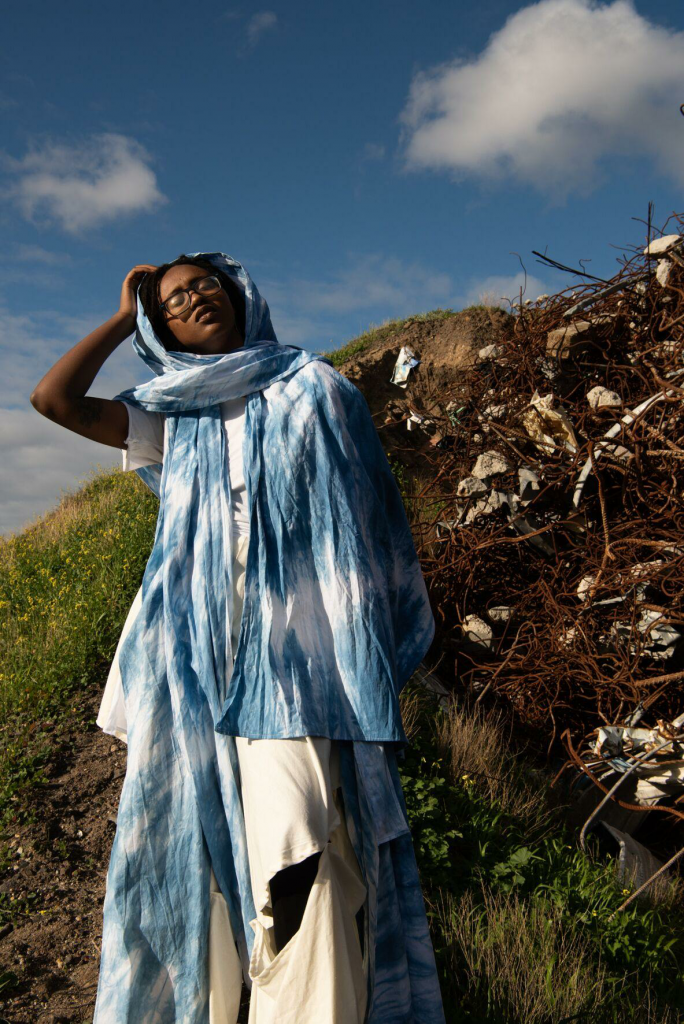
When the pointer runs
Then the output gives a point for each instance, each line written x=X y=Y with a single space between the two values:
x=180 y=301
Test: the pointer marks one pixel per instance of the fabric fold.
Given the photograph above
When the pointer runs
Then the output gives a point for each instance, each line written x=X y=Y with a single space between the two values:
x=335 y=619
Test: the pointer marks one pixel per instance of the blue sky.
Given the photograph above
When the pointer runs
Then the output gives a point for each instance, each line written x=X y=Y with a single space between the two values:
x=364 y=161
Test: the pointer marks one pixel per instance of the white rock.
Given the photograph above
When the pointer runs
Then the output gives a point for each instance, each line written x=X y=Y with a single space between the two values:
x=477 y=438
x=585 y=585
x=601 y=398
x=492 y=503
x=477 y=630
x=494 y=412
x=488 y=353
x=471 y=487
x=663 y=271
x=489 y=464
x=501 y=613
x=659 y=246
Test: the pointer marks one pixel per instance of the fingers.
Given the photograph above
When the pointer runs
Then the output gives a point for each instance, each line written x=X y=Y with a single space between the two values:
x=142 y=268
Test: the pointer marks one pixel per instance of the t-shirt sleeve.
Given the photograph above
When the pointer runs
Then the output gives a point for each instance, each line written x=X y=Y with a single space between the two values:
x=145 y=440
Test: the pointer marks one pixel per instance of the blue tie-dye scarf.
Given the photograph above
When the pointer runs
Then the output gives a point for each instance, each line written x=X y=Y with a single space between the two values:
x=335 y=620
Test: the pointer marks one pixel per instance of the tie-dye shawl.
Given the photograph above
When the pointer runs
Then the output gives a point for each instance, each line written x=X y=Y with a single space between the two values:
x=335 y=620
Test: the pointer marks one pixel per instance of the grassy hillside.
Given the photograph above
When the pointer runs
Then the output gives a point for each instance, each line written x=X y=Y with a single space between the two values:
x=519 y=915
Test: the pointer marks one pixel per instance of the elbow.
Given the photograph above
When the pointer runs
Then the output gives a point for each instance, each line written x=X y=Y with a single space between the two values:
x=41 y=403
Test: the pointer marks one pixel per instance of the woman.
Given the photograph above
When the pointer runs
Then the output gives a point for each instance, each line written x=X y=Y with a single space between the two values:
x=261 y=832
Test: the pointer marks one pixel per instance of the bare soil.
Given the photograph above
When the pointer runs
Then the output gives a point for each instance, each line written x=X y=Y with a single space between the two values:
x=54 y=948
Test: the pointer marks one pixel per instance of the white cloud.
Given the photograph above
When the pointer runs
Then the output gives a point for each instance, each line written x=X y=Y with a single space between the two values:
x=373 y=151
x=259 y=24
x=560 y=87
x=368 y=283
x=36 y=254
x=102 y=179
x=39 y=458
x=40 y=462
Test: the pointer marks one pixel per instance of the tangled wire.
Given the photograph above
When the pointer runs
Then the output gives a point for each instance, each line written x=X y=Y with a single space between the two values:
x=554 y=545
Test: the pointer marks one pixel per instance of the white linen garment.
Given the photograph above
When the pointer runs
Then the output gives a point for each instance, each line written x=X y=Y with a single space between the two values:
x=291 y=800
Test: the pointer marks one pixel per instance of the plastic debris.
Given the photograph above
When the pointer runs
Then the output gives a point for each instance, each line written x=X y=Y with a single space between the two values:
x=406 y=361
x=529 y=483
x=549 y=424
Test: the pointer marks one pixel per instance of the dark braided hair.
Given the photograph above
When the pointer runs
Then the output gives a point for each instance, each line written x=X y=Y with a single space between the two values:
x=149 y=297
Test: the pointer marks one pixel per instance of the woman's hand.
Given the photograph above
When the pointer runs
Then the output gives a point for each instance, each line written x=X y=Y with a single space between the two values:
x=128 y=306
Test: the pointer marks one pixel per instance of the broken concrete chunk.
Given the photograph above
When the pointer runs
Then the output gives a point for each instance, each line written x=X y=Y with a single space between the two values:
x=663 y=272
x=471 y=487
x=489 y=352
x=492 y=503
x=566 y=341
x=494 y=412
x=585 y=585
x=659 y=246
x=500 y=613
x=490 y=464
x=477 y=631
x=601 y=398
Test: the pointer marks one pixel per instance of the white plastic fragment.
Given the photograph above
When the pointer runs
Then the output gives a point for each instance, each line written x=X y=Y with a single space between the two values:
x=529 y=483
x=477 y=630
x=489 y=464
x=549 y=424
x=406 y=361
x=601 y=398
x=660 y=246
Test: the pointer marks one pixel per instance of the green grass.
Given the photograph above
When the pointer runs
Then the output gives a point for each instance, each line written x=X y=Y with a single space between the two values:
x=519 y=913
x=66 y=584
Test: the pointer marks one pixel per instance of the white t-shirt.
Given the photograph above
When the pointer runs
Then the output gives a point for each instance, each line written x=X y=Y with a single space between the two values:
x=147 y=439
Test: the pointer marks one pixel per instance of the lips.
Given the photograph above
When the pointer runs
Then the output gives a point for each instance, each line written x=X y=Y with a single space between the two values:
x=204 y=313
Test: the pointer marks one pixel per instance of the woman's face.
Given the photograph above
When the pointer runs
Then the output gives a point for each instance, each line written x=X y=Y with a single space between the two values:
x=207 y=326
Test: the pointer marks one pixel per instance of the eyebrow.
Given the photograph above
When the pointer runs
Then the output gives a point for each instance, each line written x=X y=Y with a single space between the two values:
x=199 y=278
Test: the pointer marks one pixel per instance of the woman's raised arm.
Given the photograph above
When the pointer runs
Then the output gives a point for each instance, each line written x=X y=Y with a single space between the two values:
x=62 y=396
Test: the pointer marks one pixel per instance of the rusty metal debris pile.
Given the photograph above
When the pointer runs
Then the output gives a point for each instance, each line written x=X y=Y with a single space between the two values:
x=554 y=539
